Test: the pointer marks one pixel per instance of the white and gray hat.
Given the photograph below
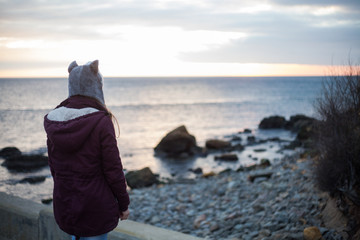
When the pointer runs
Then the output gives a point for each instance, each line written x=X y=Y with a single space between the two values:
x=86 y=80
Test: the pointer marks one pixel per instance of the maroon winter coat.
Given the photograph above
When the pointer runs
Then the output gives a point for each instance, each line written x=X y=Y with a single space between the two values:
x=89 y=183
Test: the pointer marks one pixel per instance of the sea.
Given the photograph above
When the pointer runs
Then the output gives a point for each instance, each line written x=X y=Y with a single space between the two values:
x=147 y=108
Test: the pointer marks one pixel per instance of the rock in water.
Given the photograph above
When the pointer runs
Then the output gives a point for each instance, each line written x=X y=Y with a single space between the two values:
x=273 y=122
x=47 y=200
x=24 y=163
x=140 y=178
x=227 y=157
x=299 y=121
x=251 y=178
x=8 y=152
x=264 y=162
x=177 y=143
x=217 y=144
x=33 y=179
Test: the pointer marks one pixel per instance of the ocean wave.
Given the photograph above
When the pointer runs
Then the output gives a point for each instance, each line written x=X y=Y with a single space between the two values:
x=169 y=104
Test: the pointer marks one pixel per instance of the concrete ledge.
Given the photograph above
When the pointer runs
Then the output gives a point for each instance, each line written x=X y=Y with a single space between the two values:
x=22 y=219
x=149 y=232
x=18 y=218
x=48 y=229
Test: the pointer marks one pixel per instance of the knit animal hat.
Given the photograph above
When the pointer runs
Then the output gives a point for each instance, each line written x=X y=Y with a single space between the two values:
x=86 y=80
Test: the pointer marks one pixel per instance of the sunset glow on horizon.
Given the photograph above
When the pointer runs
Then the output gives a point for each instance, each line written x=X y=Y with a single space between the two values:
x=178 y=38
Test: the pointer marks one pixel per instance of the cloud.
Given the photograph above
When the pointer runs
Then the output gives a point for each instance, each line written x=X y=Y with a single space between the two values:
x=9 y=65
x=257 y=31
x=288 y=40
x=348 y=3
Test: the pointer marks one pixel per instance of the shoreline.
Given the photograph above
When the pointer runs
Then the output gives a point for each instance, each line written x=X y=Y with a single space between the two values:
x=277 y=200
x=229 y=206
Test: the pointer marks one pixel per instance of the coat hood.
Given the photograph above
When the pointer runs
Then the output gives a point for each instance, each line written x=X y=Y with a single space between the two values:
x=71 y=123
x=69 y=135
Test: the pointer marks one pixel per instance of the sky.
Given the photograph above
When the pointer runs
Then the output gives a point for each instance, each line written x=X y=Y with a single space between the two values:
x=40 y=38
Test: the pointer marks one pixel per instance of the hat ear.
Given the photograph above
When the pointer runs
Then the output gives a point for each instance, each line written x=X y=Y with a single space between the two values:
x=72 y=66
x=94 y=66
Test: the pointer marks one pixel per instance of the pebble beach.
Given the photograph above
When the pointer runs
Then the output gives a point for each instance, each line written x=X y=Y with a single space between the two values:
x=230 y=206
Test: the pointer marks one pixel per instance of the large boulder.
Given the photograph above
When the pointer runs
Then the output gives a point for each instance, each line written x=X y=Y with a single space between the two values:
x=8 y=152
x=272 y=122
x=140 y=178
x=303 y=125
x=25 y=163
x=176 y=143
x=297 y=122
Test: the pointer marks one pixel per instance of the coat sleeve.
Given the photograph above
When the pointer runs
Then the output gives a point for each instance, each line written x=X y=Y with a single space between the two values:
x=49 y=147
x=111 y=163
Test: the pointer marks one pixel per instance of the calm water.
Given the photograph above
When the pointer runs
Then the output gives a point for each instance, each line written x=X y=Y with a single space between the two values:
x=147 y=108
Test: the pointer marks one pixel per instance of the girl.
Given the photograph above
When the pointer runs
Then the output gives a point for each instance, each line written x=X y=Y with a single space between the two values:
x=89 y=193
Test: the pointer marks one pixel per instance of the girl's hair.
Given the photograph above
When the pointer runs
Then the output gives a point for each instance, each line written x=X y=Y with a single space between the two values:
x=114 y=120
x=103 y=107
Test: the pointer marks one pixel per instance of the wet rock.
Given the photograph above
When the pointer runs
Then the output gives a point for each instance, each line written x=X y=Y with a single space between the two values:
x=33 y=179
x=177 y=143
x=251 y=167
x=260 y=150
x=303 y=125
x=237 y=147
x=9 y=152
x=197 y=170
x=226 y=170
x=262 y=175
x=264 y=162
x=236 y=139
x=227 y=157
x=296 y=122
x=24 y=163
x=46 y=200
x=209 y=174
x=247 y=130
x=140 y=178
x=272 y=122
x=251 y=139
x=216 y=144
x=274 y=139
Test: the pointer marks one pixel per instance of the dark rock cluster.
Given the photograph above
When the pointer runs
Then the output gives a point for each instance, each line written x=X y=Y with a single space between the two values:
x=18 y=162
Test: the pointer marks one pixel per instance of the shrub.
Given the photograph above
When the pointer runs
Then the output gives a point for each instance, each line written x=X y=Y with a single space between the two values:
x=338 y=136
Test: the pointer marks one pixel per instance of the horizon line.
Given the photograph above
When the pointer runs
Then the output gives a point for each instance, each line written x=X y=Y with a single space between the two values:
x=174 y=76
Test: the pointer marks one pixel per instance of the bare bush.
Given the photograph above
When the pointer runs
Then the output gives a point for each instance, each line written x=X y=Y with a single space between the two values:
x=338 y=136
